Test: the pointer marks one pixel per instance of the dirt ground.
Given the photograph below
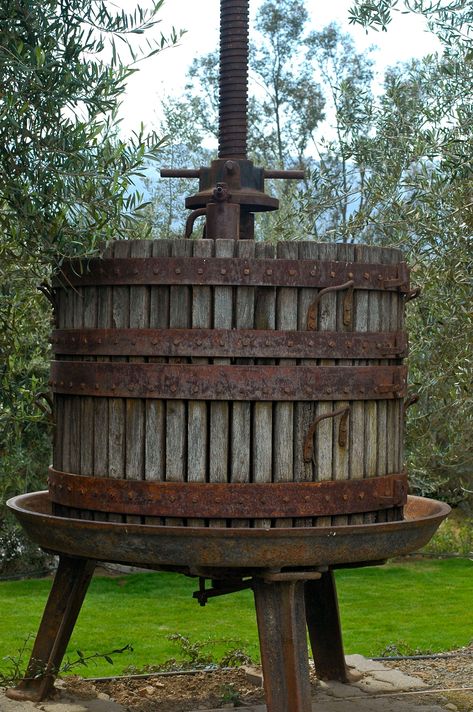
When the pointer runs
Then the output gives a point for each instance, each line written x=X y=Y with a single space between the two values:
x=232 y=688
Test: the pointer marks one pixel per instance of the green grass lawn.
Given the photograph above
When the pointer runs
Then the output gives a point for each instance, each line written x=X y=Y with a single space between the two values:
x=421 y=605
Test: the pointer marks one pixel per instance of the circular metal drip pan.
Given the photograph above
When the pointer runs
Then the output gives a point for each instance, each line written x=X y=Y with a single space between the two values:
x=242 y=548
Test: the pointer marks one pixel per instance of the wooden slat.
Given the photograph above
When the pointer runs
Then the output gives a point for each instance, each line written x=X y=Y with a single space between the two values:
x=341 y=455
x=220 y=412
x=89 y=319
x=117 y=406
x=283 y=430
x=240 y=455
x=101 y=405
x=357 y=414
x=265 y=318
x=393 y=320
x=155 y=436
x=176 y=410
x=304 y=413
x=198 y=411
x=135 y=407
x=327 y=321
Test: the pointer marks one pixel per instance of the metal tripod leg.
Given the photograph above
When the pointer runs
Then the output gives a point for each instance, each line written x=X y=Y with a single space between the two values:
x=283 y=643
x=325 y=633
x=62 y=609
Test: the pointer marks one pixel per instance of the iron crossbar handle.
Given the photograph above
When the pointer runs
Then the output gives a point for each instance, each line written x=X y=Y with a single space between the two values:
x=227 y=500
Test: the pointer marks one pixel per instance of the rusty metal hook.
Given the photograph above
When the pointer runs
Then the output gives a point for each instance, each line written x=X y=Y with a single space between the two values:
x=410 y=400
x=47 y=409
x=412 y=294
x=347 y=305
x=191 y=220
x=342 y=431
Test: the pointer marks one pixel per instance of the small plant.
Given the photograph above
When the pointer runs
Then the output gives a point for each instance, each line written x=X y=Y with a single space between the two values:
x=16 y=664
x=84 y=660
x=230 y=694
x=454 y=538
x=401 y=649
x=194 y=657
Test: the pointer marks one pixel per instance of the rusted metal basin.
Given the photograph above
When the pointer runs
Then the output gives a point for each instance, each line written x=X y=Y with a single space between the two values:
x=239 y=548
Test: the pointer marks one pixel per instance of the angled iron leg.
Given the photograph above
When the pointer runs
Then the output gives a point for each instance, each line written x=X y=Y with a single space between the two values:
x=325 y=632
x=60 y=615
x=283 y=643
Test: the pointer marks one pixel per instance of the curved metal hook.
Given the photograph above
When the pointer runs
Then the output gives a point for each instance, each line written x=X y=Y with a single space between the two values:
x=342 y=433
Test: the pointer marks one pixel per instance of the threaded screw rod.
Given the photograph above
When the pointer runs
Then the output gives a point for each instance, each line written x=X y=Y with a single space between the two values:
x=234 y=55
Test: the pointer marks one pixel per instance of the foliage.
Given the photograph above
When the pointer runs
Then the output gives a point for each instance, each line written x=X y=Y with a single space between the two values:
x=66 y=184
x=454 y=537
x=285 y=107
x=393 y=169
x=16 y=664
x=379 y=605
x=194 y=655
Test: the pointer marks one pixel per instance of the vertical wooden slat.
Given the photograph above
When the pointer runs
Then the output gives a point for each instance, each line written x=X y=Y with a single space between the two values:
x=304 y=413
x=101 y=405
x=283 y=431
x=198 y=411
x=135 y=407
x=341 y=455
x=117 y=406
x=374 y=409
x=265 y=318
x=62 y=419
x=324 y=449
x=357 y=415
x=75 y=317
x=155 y=436
x=176 y=410
x=89 y=297
x=220 y=411
x=393 y=313
x=240 y=456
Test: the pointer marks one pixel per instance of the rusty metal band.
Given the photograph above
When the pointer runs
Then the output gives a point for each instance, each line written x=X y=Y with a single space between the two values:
x=222 y=382
x=319 y=274
x=234 y=343
x=227 y=500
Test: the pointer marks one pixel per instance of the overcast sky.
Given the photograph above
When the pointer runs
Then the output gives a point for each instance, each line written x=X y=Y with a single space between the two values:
x=164 y=74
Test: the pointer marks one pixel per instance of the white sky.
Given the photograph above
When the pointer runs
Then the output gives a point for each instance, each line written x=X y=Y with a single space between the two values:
x=164 y=74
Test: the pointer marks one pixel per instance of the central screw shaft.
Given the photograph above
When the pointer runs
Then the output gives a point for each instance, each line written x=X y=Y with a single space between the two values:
x=234 y=55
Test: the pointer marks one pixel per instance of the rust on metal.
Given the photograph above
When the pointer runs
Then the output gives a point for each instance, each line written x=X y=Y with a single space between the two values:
x=308 y=450
x=223 y=382
x=319 y=274
x=227 y=500
x=233 y=80
x=343 y=429
x=313 y=308
x=412 y=294
x=243 y=548
x=229 y=343
x=348 y=306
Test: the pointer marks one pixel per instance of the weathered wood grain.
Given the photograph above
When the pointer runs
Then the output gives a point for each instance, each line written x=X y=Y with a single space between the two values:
x=155 y=435
x=324 y=448
x=283 y=430
x=265 y=318
x=135 y=407
x=176 y=410
x=198 y=411
x=341 y=454
x=304 y=413
x=117 y=406
x=240 y=443
x=220 y=411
